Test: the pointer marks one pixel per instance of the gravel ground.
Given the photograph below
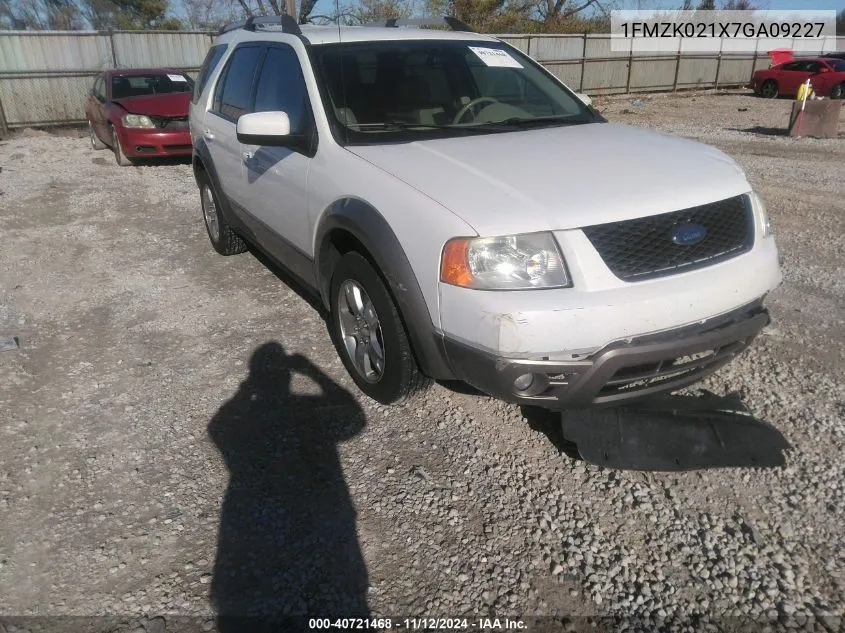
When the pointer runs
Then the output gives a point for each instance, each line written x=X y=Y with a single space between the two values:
x=179 y=437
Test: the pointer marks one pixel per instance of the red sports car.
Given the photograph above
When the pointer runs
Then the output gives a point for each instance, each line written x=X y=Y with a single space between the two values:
x=140 y=113
x=826 y=75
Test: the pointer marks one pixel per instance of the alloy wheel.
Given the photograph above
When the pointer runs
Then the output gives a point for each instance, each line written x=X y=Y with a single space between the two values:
x=209 y=213
x=360 y=330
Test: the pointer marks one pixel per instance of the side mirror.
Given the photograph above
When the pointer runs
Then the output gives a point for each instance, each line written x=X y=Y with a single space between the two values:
x=264 y=128
x=585 y=98
x=823 y=69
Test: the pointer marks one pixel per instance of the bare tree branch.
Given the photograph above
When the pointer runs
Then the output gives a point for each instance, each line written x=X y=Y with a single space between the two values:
x=578 y=9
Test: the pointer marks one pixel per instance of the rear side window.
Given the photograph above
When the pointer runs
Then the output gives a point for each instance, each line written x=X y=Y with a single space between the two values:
x=233 y=92
x=212 y=58
x=281 y=87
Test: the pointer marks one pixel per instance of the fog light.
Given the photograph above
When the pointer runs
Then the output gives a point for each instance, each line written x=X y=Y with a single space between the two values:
x=523 y=382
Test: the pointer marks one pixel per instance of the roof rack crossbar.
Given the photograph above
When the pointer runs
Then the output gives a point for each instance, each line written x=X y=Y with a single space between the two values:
x=288 y=24
x=453 y=23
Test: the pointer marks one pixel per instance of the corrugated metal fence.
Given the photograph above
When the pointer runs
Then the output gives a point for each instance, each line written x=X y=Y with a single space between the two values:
x=45 y=75
x=586 y=63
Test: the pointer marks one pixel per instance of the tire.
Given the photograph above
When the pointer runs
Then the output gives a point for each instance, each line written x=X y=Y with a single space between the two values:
x=224 y=240
x=119 y=156
x=838 y=91
x=364 y=319
x=769 y=89
x=96 y=143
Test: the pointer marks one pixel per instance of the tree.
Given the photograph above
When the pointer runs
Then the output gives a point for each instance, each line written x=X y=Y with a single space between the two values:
x=707 y=5
x=277 y=7
x=840 y=23
x=525 y=16
x=366 y=11
x=81 y=14
x=144 y=14
x=739 y=5
x=62 y=15
x=208 y=15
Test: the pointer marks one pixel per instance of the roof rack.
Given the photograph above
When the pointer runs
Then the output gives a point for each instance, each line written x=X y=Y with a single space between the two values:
x=288 y=24
x=453 y=23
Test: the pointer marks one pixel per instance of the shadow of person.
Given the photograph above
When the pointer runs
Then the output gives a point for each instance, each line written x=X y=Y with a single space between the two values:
x=287 y=545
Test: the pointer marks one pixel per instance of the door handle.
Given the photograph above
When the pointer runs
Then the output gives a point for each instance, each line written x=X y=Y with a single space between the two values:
x=247 y=156
x=208 y=135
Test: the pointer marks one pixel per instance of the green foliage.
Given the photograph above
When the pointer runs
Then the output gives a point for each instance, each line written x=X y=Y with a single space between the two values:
x=366 y=11
x=62 y=15
x=82 y=14
x=525 y=16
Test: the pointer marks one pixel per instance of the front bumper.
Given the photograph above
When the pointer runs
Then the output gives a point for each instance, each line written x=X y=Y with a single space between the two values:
x=152 y=142
x=619 y=373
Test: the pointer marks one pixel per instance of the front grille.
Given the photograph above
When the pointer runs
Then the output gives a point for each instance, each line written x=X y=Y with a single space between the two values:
x=170 y=123
x=634 y=378
x=643 y=248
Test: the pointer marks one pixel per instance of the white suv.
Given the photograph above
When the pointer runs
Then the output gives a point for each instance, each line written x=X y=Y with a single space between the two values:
x=462 y=214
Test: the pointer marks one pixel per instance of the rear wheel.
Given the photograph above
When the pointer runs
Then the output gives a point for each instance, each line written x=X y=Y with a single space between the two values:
x=119 y=156
x=369 y=334
x=769 y=89
x=224 y=240
x=96 y=143
x=838 y=91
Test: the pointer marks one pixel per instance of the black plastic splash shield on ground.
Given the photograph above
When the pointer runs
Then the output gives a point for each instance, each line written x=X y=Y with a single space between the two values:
x=673 y=433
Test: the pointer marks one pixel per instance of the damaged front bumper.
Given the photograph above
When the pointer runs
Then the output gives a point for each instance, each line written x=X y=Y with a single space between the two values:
x=619 y=373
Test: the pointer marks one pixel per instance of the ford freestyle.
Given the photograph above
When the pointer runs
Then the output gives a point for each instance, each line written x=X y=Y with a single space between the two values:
x=462 y=214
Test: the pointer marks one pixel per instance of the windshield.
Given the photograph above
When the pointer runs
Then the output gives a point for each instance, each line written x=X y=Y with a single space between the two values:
x=838 y=65
x=151 y=84
x=404 y=90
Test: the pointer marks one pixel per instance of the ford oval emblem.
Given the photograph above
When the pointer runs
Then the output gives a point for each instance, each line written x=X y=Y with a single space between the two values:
x=688 y=234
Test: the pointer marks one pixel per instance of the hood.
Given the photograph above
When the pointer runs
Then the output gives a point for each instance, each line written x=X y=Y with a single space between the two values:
x=174 y=104
x=560 y=178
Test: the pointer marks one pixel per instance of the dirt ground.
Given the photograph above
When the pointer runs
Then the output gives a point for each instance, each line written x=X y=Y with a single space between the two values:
x=178 y=436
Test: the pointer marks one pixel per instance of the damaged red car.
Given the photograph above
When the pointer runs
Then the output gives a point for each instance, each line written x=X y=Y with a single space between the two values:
x=140 y=113
x=826 y=75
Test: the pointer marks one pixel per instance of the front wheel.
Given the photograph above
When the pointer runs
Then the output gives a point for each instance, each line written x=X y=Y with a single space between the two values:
x=96 y=143
x=769 y=89
x=838 y=91
x=119 y=156
x=369 y=334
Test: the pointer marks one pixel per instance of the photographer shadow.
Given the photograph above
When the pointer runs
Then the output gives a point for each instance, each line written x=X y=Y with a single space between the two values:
x=287 y=545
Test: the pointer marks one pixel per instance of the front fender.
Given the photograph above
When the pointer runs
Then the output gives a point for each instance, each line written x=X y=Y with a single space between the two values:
x=366 y=225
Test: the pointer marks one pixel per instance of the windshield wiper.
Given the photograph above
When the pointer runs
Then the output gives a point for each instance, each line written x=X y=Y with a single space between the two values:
x=517 y=121
x=407 y=125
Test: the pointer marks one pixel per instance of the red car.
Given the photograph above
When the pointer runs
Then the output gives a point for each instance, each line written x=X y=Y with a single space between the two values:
x=140 y=113
x=826 y=75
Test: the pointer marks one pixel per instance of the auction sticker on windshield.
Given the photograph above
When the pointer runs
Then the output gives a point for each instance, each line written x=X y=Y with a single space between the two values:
x=176 y=78
x=495 y=57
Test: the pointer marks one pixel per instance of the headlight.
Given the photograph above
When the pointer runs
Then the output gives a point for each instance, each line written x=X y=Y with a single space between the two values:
x=765 y=223
x=510 y=262
x=137 y=120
